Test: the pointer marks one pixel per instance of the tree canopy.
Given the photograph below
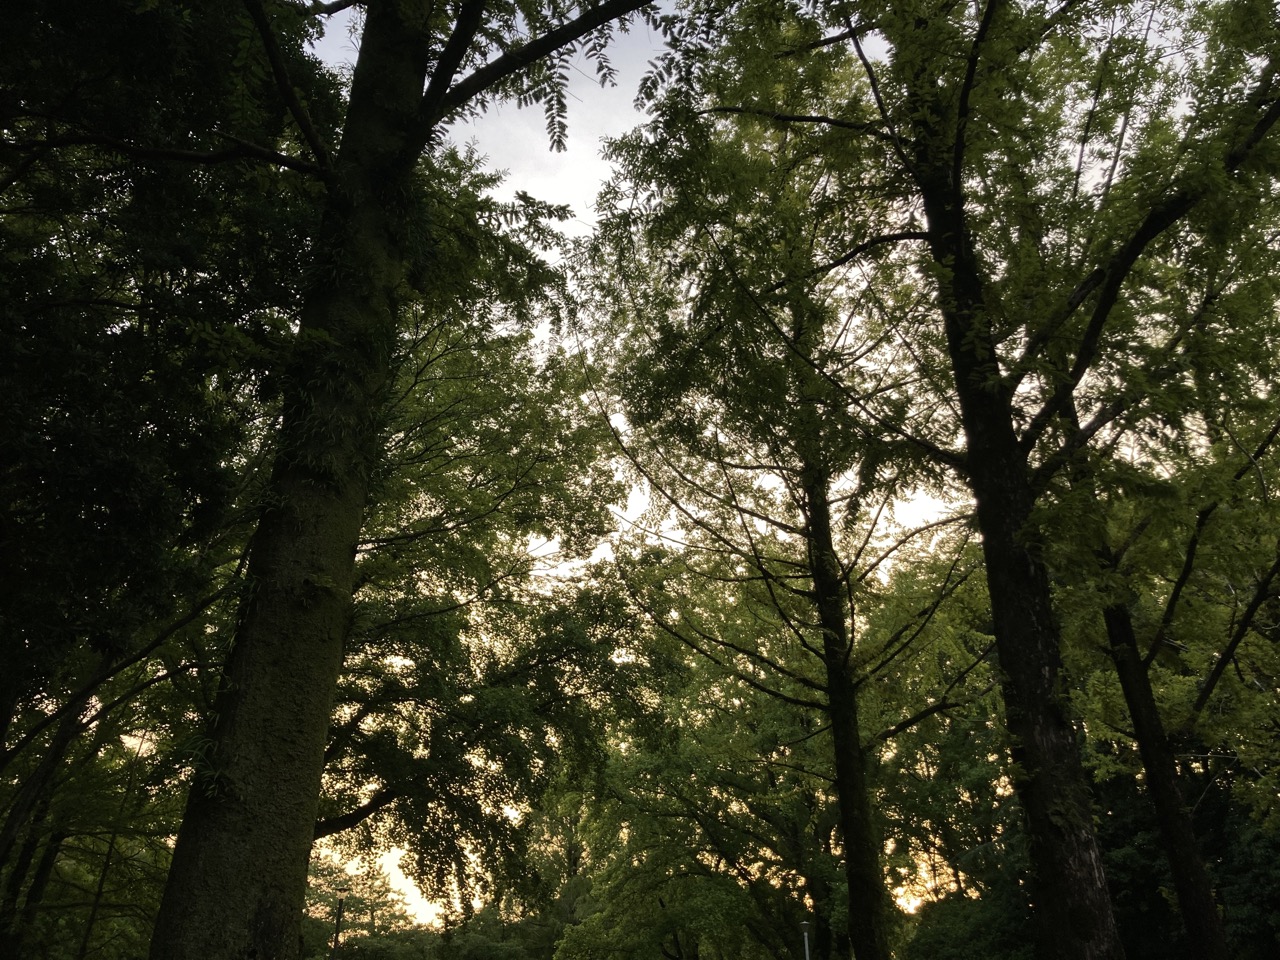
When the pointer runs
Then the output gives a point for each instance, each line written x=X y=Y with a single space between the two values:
x=863 y=544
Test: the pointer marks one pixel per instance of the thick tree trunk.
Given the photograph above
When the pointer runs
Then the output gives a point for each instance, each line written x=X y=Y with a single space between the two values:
x=1069 y=891
x=240 y=865
x=1190 y=878
x=868 y=899
x=238 y=879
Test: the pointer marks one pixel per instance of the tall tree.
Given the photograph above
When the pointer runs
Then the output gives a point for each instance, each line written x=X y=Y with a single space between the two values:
x=239 y=868
x=236 y=886
x=1007 y=481
x=1034 y=156
x=737 y=371
x=143 y=298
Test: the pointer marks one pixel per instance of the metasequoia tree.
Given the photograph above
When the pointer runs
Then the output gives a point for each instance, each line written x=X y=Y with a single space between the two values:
x=1122 y=546
x=239 y=870
x=1038 y=169
x=741 y=375
x=720 y=831
x=1011 y=456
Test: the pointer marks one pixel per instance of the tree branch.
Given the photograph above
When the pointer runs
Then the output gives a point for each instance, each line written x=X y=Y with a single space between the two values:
x=877 y=241
x=240 y=150
x=331 y=825
x=830 y=41
x=470 y=18
x=317 y=8
x=106 y=672
x=816 y=118
x=942 y=703
x=706 y=652
x=515 y=60
x=289 y=93
x=1261 y=592
x=966 y=88
x=1193 y=545
x=1162 y=217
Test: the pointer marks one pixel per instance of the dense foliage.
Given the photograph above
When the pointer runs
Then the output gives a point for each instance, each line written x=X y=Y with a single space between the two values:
x=864 y=544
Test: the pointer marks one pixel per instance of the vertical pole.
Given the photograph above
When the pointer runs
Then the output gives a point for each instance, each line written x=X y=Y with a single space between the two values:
x=337 y=920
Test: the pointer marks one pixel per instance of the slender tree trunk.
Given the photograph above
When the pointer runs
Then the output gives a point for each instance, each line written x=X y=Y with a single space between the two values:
x=95 y=905
x=37 y=786
x=1191 y=882
x=28 y=812
x=39 y=884
x=868 y=900
x=812 y=848
x=1190 y=878
x=823 y=944
x=10 y=925
x=14 y=932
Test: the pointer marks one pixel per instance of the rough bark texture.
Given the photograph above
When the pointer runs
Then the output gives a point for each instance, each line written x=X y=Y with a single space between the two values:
x=239 y=872
x=1069 y=890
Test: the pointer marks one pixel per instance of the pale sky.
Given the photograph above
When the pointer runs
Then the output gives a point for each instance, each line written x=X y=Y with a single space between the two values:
x=516 y=140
